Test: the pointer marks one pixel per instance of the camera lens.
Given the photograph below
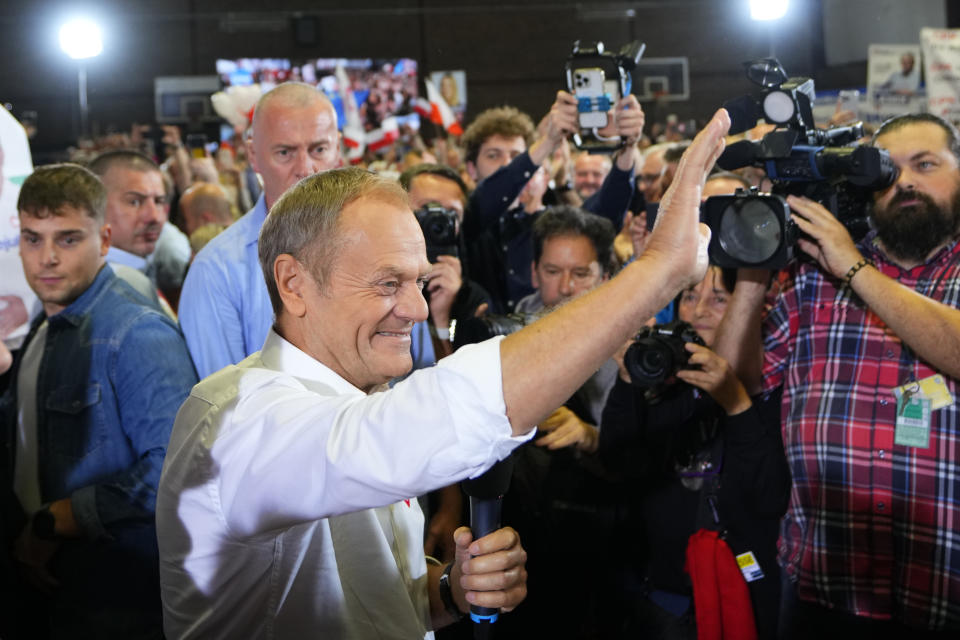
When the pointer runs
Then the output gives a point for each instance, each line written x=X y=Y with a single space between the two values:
x=750 y=230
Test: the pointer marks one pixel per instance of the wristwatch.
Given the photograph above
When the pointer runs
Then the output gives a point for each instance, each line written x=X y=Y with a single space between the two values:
x=44 y=524
x=446 y=594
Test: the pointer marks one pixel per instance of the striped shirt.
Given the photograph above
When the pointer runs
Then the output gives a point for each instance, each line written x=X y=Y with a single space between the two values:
x=873 y=528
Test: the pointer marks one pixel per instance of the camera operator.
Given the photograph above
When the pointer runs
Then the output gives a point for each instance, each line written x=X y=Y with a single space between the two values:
x=869 y=537
x=696 y=461
x=496 y=226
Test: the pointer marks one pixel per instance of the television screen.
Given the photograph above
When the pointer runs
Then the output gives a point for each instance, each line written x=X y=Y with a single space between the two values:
x=381 y=88
x=267 y=72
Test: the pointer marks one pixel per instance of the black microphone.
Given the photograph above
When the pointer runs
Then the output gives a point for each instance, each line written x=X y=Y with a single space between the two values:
x=486 y=493
x=737 y=155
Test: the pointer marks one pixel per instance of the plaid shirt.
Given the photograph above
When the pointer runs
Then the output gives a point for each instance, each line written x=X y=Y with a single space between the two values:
x=873 y=528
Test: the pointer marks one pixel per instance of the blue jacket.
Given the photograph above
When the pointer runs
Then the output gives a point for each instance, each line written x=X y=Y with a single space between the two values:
x=113 y=375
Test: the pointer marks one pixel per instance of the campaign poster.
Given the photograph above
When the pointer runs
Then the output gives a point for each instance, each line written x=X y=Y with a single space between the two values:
x=453 y=87
x=18 y=304
x=941 y=60
x=893 y=69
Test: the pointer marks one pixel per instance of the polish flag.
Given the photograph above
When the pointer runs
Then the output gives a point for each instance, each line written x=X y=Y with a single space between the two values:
x=387 y=134
x=440 y=112
x=422 y=106
x=354 y=137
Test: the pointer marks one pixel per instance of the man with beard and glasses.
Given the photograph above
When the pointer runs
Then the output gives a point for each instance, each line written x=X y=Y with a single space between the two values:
x=865 y=342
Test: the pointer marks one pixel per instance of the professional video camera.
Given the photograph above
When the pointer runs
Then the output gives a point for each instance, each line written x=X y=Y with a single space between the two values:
x=657 y=354
x=598 y=79
x=754 y=229
x=439 y=226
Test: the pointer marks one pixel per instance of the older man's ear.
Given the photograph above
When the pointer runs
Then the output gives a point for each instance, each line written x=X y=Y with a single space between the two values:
x=291 y=278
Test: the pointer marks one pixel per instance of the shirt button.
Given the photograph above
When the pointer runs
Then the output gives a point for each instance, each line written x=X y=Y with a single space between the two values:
x=510 y=271
x=889 y=353
x=504 y=198
x=526 y=174
x=881 y=453
x=883 y=402
x=504 y=247
x=880 y=506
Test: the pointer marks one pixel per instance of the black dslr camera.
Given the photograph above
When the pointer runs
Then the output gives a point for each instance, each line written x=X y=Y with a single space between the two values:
x=751 y=229
x=440 y=226
x=598 y=79
x=657 y=353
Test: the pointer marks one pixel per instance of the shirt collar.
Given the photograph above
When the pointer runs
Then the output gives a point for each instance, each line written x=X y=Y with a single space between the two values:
x=281 y=355
x=119 y=256
x=258 y=216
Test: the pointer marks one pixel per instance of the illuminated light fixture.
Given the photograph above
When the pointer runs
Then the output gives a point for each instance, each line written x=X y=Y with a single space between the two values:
x=768 y=9
x=80 y=39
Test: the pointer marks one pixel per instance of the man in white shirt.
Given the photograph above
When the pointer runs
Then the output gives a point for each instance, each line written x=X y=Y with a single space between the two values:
x=284 y=505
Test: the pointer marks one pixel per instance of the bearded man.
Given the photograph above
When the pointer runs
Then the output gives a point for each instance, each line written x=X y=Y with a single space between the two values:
x=865 y=343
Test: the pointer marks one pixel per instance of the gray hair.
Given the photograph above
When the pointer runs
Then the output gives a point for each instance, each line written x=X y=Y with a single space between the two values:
x=305 y=221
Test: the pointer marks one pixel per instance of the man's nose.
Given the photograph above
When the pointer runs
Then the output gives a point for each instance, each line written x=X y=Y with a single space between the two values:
x=305 y=166
x=152 y=211
x=50 y=257
x=412 y=305
x=566 y=284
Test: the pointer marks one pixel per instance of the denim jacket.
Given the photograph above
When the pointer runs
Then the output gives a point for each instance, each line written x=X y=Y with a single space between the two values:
x=113 y=375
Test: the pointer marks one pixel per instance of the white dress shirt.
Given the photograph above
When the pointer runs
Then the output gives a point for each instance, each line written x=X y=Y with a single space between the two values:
x=284 y=508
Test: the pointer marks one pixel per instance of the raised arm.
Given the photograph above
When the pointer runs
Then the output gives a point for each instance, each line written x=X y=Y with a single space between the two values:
x=543 y=364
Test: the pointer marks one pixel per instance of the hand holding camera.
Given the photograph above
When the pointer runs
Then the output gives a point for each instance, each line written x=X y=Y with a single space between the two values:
x=710 y=372
x=444 y=283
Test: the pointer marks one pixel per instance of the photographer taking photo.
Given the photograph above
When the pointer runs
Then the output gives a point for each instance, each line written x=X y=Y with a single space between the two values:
x=695 y=461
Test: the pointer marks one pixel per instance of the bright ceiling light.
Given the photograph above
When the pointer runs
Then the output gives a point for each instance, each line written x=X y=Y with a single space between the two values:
x=768 y=9
x=80 y=39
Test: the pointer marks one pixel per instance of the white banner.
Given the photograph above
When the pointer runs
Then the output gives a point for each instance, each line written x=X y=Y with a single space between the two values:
x=941 y=62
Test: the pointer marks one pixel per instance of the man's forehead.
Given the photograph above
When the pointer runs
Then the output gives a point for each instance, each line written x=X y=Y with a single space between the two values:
x=914 y=138
x=428 y=186
x=281 y=121
x=120 y=179
x=500 y=141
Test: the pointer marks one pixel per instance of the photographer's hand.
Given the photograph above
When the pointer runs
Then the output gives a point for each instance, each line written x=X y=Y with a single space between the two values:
x=831 y=244
x=445 y=281
x=716 y=377
x=565 y=429
x=561 y=122
x=630 y=121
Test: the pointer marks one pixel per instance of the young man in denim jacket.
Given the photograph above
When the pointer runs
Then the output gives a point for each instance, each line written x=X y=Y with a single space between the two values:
x=95 y=391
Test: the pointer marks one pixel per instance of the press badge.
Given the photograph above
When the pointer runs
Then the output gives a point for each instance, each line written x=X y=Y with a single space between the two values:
x=749 y=566
x=933 y=387
x=913 y=422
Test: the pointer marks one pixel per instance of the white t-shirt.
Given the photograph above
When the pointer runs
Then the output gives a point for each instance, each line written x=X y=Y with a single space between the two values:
x=286 y=509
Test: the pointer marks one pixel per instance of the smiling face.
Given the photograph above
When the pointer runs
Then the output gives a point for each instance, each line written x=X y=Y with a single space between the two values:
x=704 y=304
x=136 y=208
x=589 y=172
x=364 y=314
x=292 y=141
x=61 y=254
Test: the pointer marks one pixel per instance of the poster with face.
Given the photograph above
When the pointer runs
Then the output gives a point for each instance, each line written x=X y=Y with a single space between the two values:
x=453 y=88
x=893 y=69
x=18 y=304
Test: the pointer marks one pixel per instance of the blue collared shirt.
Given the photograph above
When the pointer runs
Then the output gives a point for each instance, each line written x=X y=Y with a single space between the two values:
x=225 y=310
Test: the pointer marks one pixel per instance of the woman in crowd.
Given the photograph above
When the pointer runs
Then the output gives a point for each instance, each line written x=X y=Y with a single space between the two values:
x=700 y=454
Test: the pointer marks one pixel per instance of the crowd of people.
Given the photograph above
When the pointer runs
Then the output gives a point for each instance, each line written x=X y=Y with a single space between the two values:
x=250 y=383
